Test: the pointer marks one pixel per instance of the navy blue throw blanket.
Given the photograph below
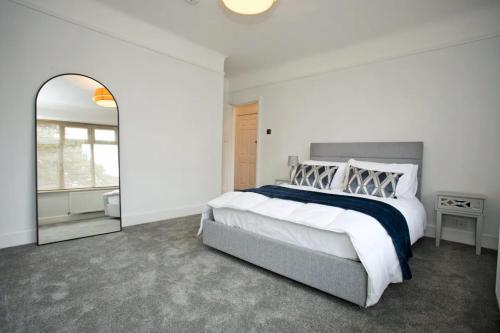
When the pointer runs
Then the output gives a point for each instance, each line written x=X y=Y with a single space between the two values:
x=389 y=217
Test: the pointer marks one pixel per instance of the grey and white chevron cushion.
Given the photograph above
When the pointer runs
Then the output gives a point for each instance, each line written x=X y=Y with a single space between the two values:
x=377 y=183
x=317 y=176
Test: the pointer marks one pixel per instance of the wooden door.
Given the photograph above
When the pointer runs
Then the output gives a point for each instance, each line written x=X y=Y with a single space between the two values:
x=245 y=148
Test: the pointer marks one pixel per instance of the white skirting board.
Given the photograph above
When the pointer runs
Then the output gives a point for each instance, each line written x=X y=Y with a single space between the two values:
x=18 y=238
x=155 y=216
x=29 y=236
x=462 y=236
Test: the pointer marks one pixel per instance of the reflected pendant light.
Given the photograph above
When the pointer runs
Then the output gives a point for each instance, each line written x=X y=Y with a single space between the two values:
x=103 y=97
x=249 y=7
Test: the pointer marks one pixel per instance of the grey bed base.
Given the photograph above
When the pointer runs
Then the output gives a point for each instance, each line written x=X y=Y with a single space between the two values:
x=344 y=278
x=341 y=277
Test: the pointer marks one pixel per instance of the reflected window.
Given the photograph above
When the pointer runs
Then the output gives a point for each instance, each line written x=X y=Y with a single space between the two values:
x=49 y=146
x=76 y=155
x=106 y=165
x=105 y=135
x=77 y=163
x=76 y=133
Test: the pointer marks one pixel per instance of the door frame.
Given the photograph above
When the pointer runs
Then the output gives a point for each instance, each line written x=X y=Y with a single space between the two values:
x=231 y=173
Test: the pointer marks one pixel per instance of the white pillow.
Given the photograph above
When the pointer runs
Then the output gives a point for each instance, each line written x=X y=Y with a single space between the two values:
x=338 y=179
x=407 y=184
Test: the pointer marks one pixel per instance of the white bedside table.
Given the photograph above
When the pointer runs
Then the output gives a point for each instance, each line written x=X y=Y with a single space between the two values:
x=461 y=204
x=282 y=181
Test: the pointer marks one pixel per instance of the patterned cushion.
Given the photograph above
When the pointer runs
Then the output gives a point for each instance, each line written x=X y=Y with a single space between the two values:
x=377 y=183
x=318 y=176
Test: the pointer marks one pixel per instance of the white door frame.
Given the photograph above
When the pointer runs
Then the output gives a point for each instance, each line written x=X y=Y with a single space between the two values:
x=232 y=146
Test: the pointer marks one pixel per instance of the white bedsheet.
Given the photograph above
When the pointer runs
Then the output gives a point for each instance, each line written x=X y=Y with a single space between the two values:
x=334 y=243
x=371 y=242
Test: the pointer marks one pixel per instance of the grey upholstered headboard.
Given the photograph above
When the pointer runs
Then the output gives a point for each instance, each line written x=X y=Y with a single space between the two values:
x=385 y=152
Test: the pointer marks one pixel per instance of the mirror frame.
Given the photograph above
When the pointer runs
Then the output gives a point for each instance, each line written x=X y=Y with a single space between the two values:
x=36 y=160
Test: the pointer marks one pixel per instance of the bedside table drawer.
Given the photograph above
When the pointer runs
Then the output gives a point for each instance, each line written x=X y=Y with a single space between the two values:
x=460 y=204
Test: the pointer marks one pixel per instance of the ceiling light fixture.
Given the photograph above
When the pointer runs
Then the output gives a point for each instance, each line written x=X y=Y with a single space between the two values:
x=103 y=97
x=249 y=7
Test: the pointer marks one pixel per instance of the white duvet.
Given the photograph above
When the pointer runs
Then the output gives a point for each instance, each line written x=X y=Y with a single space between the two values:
x=371 y=242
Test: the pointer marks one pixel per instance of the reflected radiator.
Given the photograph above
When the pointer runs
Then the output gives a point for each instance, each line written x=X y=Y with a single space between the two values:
x=86 y=201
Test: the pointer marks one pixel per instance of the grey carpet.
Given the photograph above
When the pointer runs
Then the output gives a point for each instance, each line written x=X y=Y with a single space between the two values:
x=160 y=277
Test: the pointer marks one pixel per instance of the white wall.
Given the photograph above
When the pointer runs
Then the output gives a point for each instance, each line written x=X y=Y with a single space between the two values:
x=170 y=118
x=228 y=150
x=482 y=22
x=111 y=22
x=448 y=98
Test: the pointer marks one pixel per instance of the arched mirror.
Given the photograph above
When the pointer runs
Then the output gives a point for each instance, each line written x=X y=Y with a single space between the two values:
x=77 y=159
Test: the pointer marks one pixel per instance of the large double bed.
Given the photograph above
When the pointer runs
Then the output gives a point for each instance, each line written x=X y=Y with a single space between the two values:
x=343 y=251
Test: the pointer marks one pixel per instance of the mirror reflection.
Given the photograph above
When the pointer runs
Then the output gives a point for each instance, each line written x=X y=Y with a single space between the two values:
x=78 y=191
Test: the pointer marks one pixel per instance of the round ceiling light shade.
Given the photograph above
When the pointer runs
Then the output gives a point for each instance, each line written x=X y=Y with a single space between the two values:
x=103 y=97
x=249 y=7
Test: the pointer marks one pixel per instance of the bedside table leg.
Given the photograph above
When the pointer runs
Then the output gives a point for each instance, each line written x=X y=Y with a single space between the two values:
x=439 y=217
x=479 y=234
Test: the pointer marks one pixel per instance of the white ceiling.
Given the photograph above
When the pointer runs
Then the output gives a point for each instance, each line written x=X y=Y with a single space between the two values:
x=69 y=98
x=293 y=29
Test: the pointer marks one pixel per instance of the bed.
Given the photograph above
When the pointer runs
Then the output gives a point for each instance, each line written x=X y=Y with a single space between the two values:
x=328 y=258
